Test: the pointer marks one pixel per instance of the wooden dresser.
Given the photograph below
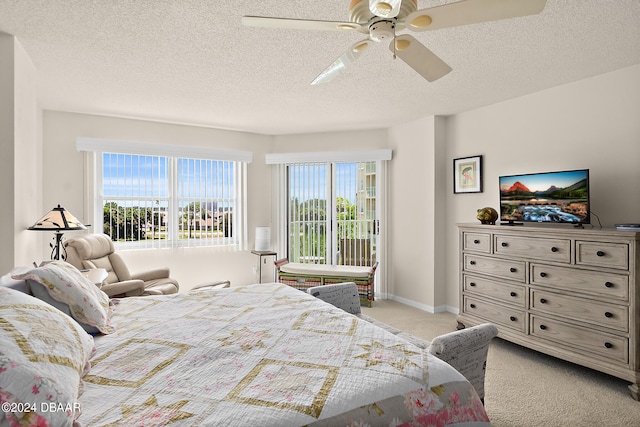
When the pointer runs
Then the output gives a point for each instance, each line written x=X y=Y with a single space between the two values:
x=568 y=292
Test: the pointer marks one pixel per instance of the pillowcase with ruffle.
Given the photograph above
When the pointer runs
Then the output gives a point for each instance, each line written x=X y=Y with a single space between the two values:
x=65 y=284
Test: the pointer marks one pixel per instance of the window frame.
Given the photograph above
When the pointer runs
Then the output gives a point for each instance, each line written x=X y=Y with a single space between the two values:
x=279 y=161
x=94 y=199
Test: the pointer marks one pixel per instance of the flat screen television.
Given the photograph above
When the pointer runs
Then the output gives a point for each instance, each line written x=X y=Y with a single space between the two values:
x=554 y=197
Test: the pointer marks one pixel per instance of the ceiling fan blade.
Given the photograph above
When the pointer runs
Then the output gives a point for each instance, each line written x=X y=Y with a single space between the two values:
x=418 y=57
x=385 y=8
x=342 y=62
x=467 y=12
x=301 y=24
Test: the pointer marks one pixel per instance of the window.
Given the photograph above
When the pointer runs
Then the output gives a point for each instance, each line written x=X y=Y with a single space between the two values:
x=330 y=207
x=331 y=215
x=145 y=199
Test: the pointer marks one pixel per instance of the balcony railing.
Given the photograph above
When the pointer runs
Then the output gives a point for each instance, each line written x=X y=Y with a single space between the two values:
x=355 y=240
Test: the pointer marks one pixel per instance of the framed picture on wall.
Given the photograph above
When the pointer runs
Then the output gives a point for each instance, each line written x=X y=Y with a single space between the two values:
x=467 y=175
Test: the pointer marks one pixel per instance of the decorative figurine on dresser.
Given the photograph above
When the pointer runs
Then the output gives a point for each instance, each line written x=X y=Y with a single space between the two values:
x=572 y=293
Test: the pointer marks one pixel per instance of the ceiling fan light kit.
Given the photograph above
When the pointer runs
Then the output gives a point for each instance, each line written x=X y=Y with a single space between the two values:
x=385 y=9
x=402 y=44
x=382 y=20
x=420 y=22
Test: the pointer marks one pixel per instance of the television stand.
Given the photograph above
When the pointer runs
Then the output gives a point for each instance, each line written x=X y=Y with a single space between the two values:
x=511 y=223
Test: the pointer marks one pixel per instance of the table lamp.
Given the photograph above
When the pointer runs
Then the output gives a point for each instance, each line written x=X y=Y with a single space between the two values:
x=57 y=220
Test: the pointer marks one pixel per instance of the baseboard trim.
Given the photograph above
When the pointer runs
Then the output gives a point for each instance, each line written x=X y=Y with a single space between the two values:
x=424 y=307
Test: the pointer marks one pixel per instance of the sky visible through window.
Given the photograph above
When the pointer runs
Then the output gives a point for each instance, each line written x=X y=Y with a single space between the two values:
x=311 y=178
x=134 y=176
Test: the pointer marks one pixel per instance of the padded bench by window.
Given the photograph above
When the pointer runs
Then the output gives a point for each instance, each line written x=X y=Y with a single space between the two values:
x=305 y=276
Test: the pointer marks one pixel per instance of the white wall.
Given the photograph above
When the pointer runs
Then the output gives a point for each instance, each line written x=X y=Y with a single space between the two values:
x=592 y=123
x=330 y=141
x=21 y=160
x=412 y=215
x=190 y=266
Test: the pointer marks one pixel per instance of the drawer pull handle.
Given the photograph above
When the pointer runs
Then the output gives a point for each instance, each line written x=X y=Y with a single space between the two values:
x=476 y=242
x=543 y=301
x=600 y=253
x=504 y=244
x=543 y=327
x=608 y=314
x=472 y=284
x=513 y=294
x=472 y=262
x=554 y=249
x=608 y=284
x=608 y=345
x=543 y=274
x=472 y=305
x=513 y=318
x=513 y=269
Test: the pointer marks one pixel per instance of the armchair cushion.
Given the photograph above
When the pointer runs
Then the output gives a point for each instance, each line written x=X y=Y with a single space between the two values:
x=128 y=288
x=155 y=274
x=120 y=268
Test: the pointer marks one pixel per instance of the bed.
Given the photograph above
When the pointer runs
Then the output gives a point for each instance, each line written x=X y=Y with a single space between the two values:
x=257 y=355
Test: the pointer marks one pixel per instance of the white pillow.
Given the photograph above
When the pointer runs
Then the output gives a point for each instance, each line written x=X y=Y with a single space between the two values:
x=88 y=304
x=43 y=356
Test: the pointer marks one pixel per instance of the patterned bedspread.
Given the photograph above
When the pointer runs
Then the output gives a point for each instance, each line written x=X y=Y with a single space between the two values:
x=264 y=355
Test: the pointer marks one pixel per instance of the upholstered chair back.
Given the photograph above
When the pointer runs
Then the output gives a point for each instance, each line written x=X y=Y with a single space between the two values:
x=97 y=251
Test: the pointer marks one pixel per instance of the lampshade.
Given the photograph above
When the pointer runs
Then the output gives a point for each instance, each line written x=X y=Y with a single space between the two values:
x=385 y=9
x=57 y=219
x=263 y=238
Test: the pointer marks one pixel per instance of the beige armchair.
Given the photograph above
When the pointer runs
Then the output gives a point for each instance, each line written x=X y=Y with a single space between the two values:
x=97 y=251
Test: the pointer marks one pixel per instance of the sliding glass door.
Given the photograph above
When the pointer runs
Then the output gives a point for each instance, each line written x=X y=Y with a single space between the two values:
x=332 y=214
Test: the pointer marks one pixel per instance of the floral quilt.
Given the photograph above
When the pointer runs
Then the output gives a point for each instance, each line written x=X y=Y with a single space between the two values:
x=264 y=355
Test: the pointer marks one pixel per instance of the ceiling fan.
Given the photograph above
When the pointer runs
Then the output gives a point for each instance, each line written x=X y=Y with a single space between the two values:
x=381 y=20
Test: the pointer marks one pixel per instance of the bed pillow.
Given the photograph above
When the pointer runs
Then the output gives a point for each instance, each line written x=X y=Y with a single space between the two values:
x=43 y=355
x=65 y=284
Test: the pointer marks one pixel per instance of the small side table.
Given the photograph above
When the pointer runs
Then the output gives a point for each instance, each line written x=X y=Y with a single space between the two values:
x=260 y=255
x=96 y=275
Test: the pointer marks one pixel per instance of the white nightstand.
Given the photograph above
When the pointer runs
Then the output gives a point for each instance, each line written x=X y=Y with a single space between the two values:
x=96 y=275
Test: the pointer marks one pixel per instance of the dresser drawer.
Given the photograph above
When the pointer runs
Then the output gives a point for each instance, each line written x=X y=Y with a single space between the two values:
x=608 y=346
x=478 y=242
x=508 y=269
x=598 y=254
x=506 y=316
x=558 y=250
x=608 y=285
x=511 y=294
x=599 y=313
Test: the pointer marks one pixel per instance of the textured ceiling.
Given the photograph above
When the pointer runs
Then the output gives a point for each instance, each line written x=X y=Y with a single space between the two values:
x=192 y=62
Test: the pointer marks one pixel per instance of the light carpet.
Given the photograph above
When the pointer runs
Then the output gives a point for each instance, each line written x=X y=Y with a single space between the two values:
x=525 y=388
